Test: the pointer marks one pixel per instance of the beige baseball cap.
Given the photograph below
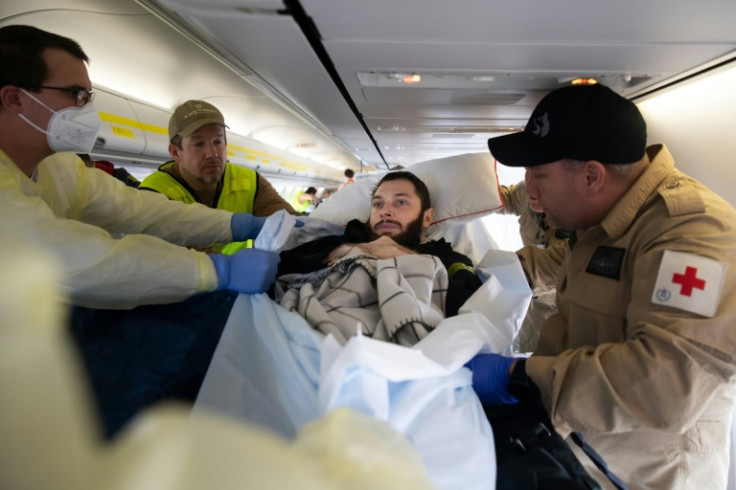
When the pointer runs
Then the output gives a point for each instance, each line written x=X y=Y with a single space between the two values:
x=192 y=115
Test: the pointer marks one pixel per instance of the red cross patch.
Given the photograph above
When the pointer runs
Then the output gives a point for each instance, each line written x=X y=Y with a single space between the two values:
x=689 y=282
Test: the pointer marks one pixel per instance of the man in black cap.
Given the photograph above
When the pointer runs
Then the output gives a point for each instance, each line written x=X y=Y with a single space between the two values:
x=641 y=356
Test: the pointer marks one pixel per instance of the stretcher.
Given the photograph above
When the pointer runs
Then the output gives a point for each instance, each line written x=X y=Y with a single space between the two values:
x=272 y=369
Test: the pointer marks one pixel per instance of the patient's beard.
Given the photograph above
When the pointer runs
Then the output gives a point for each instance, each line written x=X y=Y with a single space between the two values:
x=410 y=237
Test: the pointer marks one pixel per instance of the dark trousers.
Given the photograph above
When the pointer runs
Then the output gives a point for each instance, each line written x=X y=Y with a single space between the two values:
x=135 y=358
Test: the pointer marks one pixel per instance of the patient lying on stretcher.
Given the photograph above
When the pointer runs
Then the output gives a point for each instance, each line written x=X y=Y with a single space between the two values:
x=379 y=275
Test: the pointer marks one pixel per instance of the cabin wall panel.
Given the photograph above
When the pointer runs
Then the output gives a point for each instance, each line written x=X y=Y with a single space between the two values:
x=697 y=121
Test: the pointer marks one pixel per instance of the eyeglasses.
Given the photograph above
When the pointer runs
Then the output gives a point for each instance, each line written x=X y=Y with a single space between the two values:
x=81 y=95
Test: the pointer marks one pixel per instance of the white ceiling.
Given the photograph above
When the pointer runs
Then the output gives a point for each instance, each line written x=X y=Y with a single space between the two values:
x=254 y=57
x=526 y=47
x=135 y=53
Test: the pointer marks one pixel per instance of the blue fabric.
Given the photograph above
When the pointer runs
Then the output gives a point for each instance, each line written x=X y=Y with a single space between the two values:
x=266 y=369
x=135 y=358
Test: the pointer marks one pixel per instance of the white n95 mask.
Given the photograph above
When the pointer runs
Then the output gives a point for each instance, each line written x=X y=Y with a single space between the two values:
x=70 y=129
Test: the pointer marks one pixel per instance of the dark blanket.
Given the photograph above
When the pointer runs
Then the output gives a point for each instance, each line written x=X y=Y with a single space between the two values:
x=135 y=358
x=312 y=256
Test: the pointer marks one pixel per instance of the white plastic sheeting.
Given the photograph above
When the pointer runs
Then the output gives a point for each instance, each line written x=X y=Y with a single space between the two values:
x=272 y=369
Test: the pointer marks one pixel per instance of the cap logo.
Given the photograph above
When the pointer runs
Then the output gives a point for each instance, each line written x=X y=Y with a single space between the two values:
x=541 y=125
x=199 y=109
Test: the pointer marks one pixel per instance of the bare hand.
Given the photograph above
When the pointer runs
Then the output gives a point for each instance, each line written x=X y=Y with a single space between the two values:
x=382 y=248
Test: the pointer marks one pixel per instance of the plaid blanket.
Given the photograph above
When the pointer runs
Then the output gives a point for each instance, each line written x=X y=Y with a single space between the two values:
x=398 y=300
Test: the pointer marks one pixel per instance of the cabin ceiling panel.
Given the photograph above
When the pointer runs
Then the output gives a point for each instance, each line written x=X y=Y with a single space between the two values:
x=248 y=38
x=446 y=111
x=457 y=99
x=528 y=48
x=268 y=80
x=528 y=21
x=144 y=58
x=508 y=63
x=256 y=36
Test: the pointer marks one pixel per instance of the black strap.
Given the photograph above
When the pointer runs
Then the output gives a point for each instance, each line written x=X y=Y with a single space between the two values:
x=522 y=386
x=577 y=437
x=530 y=454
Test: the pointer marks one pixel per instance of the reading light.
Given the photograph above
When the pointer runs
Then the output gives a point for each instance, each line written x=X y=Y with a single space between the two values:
x=409 y=78
x=584 y=81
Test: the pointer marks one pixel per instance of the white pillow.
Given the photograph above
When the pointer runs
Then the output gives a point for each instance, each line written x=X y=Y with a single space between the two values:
x=461 y=188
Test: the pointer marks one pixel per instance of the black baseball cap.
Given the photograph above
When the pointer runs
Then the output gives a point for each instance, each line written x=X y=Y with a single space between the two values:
x=580 y=122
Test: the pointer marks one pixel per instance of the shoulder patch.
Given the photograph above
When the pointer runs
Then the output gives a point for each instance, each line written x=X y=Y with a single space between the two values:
x=689 y=282
x=679 y=199
x=606 y=262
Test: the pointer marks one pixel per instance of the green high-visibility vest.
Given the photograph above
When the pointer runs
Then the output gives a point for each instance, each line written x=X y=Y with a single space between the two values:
x=300 y=207
x=237 y=196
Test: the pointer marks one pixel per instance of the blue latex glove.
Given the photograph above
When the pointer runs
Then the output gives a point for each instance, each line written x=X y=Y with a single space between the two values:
x=491 y=378
x=247 y=271
x=245 y=226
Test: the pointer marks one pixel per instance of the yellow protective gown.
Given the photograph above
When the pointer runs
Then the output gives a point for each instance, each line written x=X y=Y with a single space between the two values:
x=118 y=247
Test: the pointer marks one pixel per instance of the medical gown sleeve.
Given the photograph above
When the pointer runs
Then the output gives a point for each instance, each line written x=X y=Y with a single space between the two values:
x=118 y=247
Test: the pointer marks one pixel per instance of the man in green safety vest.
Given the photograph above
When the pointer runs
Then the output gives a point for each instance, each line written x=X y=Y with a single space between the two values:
x=200 y=172
x=304 y=200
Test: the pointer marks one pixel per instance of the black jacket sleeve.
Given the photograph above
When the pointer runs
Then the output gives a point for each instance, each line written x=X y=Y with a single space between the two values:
x=312 y=256
x=463 y=281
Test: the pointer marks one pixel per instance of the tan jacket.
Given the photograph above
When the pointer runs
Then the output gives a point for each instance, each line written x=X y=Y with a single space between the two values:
x=541 y=258
x=516 y=202
x=543 y=252
x=651 y=387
